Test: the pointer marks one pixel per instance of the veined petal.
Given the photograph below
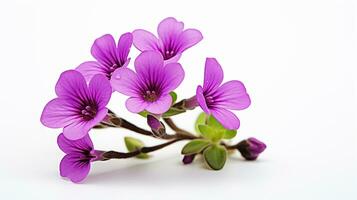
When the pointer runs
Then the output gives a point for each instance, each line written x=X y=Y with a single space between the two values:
x=90 y=68
x=76 y=130
x=74 y=146
x=160 y=106
x=74 y=168
x=135 y=104
x=228 y=119
x=169 y=29
x=125 y=81
x=124 y=44
x=59 y=113
x=188 y=38
x=202 y=100
x=149 y=67
x=144 y=40
x=174 y=75
x=213 y=75
x=100 y=90
x=72 y=85
x=173 y=59
x=231 y=95
x=104 y=50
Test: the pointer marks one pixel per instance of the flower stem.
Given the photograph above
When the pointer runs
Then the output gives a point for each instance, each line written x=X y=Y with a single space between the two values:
x=178 y=130
x=120 y=155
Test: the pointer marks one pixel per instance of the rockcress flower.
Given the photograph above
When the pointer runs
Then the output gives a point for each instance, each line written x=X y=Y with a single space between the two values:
x=172 y=41
x=150 y=86
x=217 y=99
x=251 y=148
x=75 y=165
x=109 y=56
x=78 y=106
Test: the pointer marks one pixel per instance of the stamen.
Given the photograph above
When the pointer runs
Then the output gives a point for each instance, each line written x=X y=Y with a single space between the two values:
x=150 y=95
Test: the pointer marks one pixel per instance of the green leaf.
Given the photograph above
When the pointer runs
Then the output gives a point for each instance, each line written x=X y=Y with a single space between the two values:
x=201 y=119
x=195 y=146
x=215 y=156
x=172 y=111
x=211 y=121
x=229 y=134
x=211 y=133
x=173 y=96
x=133 y=144
x=144 y=113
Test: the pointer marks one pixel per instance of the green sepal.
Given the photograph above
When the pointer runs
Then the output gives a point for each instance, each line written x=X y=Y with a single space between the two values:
x=215 y=156
x=144 y=113
x=229 y=134
x=172 y=111
x=201 y=119
x=173 y=96
x=133 y=144
x=195 y=146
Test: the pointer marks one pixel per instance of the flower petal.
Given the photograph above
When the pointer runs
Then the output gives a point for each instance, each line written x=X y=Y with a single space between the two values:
x=213 y=75
x=231 y=95
x=228 y=119
x=100 y=90
x=74 y=146
x=202 y=100
x=149 y=67
x=76 y=130
x=125 y=81
x=188 y=38
x=59 y=113
x=160 y=106
x=124 y=44
x=174 y=75
x=90 y=68
x=104 y=50
x=173 y=59
x=169 y=29
x=144 y=40
x=71 y=84
x=135 y=104
x=74 y=168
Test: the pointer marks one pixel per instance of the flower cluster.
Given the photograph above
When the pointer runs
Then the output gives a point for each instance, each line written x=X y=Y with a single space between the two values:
x=149 y=82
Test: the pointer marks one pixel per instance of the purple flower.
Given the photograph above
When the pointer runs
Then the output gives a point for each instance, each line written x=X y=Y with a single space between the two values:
x=217 y=99
x=188 y=159
x=157 y=127
x=172 y=42
x=251 y=148
x=109 y=56
x=149 y=88
x=75 y=165
x=78 y=106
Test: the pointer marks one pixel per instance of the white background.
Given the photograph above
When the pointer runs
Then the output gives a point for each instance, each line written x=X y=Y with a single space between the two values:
x=296 y=58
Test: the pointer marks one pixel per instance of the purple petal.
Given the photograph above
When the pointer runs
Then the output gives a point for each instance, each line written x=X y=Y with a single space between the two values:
x=188 y=38
x=80 y=129
x=169 y=29
x=71 y=84
x=124 y=44
x=74 y=168
x=74 y=146
x=174 y=75
x=231 y=95
x=125 y=81
x=228 y=119
x=104 y=50
x=213 y=75
x=173 y=59
x=202 y=100
x=149 y=65
x=135 y=104
x=100 y=90
x=59 y=113
x=159 y=106
x=144 y=40
x=90 y=68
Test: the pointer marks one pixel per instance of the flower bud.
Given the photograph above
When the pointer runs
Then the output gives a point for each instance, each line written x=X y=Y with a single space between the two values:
x=156 y=126
x=188 y=159
x=251 y=148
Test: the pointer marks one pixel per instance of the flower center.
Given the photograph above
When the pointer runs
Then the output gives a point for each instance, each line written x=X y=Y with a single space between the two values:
x=89 y=112
x=169 y=54
x=112 y=69
x=209 y=100
x=150 y=95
